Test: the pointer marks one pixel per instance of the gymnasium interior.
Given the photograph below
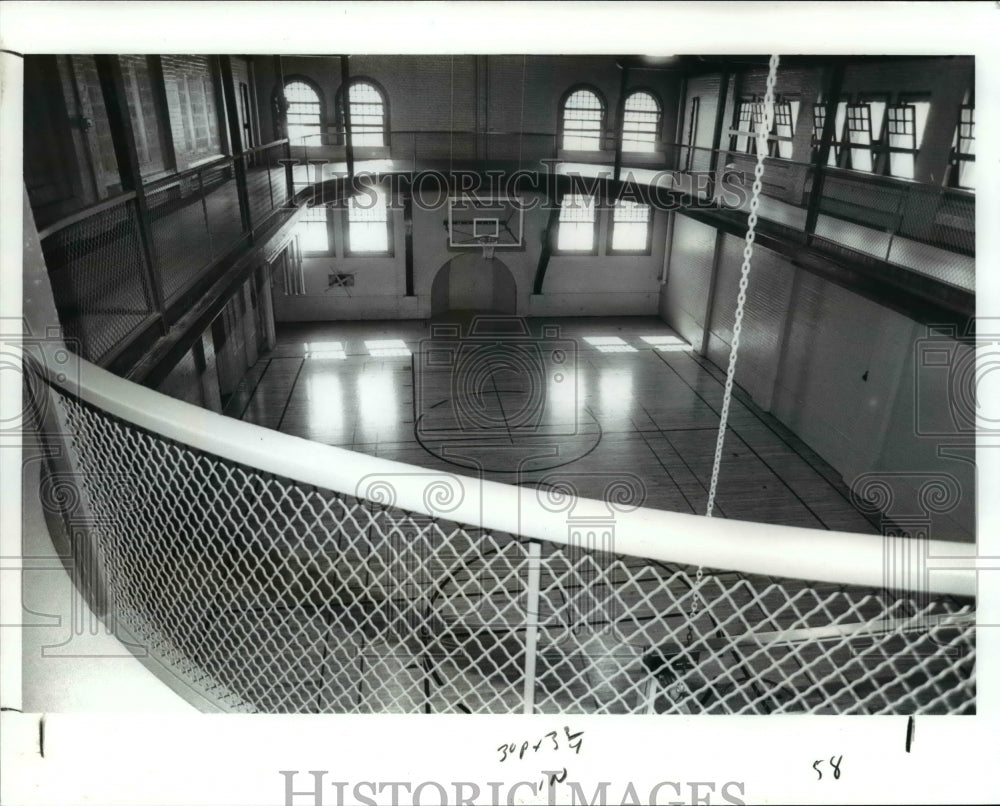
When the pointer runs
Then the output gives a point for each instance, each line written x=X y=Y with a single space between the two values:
x=504 y=383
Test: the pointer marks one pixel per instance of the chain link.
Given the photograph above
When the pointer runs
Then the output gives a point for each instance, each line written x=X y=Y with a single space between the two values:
x=741 y=299
x=762 y=132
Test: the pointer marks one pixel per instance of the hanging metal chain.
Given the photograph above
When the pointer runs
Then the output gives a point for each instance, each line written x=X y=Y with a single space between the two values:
x=763 y=129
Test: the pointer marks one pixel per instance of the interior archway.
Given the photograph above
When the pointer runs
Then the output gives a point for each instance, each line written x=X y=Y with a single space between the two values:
x=469 y=282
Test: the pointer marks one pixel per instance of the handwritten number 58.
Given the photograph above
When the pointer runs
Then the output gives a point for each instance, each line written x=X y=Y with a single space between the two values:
x=834 y=762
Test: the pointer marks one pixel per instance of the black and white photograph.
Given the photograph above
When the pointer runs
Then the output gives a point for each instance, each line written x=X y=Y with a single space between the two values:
x=514 y=394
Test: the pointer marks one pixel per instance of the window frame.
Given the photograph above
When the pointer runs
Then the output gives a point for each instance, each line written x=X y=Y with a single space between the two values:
x=958 y=156
x=296 y=78
x=743 y=112
x=794 y=105
x=658 y=128
x=389 y=236
x=647 y=249
x=602 y=123
x=341 y=122
x=592 y=250
x=851 y=145
x=328 y=226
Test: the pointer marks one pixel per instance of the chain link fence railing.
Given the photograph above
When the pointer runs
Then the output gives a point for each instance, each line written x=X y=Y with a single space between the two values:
x=926 y=229
x=267 y=594
x=96 y=258
x=194 y=219
x=99 y=277
x=266 y=180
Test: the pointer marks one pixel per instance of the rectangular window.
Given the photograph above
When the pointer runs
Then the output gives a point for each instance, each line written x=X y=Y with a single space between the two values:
x=630 y=227
x=964 y=149
x=819 y=121
x=189 y=84
x=785 y=114
x=904 y=132
x=577 y=224
x=143 y=113
x=859 y=136
x=312 y=230
x=368 y=225
x=744 y=140
x=901 y=132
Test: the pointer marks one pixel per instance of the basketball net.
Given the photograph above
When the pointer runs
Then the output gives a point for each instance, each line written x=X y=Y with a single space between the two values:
x=489 y=243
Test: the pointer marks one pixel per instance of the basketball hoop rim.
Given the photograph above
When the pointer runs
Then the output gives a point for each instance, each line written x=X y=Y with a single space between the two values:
x=489 y=245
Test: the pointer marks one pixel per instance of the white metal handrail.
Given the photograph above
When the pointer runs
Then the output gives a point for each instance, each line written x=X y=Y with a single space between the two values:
x=748 y=547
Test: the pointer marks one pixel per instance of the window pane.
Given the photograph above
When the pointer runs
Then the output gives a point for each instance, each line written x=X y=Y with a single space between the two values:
x=303 y=113
x=367 y=115
x=312 y=231
x=582 y=118
x=838 y=133
x=641 y=122
x=744 y=123
x=630 y=227
x=901 y=134
x=859 y=133
x=368 y=224
x=576 y=223
x=784 y=126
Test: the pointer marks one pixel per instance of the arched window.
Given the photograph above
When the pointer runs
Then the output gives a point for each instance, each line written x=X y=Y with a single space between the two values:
x=641 y=122
x=368 y=113
x=582 y=121
x=304 y=113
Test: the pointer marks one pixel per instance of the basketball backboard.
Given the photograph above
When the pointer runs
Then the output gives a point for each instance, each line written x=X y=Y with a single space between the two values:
x=474 y=222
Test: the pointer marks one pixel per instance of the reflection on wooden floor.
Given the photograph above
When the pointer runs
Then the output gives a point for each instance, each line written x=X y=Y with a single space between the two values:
x=643 y=408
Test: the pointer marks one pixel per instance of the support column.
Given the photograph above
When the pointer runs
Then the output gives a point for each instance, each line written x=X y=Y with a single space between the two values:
x=408 y=242
x=236 y=141
x=831 y=92
x=713 y=161
x=720 y=240
x=281 y=127
x=109 y=73
x=620 y=123
x=546 y=253
x=345 y=98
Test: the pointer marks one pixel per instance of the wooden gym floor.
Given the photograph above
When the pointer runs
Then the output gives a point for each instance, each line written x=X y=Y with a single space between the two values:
x=543 y=408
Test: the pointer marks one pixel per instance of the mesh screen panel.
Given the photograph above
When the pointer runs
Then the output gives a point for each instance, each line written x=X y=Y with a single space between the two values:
x=99 y=279
x=267 y=595
x=266 y=182
x=193 y=221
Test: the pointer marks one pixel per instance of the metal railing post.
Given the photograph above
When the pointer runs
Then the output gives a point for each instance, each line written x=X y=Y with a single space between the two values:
x=270 y=188
x=531 y=624
x=204 y=212
x=289 y=178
